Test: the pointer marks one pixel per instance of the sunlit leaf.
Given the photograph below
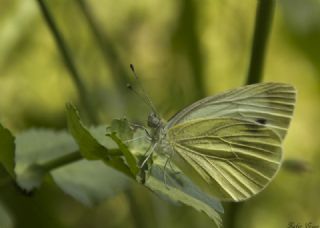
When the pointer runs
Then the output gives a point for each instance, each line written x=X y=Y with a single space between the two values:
x=121 y=128
x=131 y=161
x=90 y=147
x=173 y=184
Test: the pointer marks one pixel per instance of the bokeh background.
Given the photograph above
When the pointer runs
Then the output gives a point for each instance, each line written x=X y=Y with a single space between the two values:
x=182 y=50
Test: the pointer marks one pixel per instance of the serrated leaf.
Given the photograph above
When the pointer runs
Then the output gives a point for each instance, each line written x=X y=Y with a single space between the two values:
x=35 y=147
x=94 y=183
x=7 y=148
x=38 y=146
x=131 y=161
x=177 y=187
x=89 y=146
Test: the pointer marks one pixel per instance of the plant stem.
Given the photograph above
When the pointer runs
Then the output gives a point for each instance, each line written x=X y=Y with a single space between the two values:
x=110 y=55
x=186 y=41
x=263 y=22
x=69 y=158
x=231 y=215
x=65 y=53
x=60 y=161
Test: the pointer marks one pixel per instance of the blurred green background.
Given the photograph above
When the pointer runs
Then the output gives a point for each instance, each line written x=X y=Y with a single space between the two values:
x=182 y=50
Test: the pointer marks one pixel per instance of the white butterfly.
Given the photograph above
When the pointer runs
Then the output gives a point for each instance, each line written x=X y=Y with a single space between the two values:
x=229 y=144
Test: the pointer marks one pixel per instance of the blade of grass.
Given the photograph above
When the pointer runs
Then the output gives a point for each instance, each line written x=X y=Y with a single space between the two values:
x=111 y=57
x=187 y=41
x=69 y=62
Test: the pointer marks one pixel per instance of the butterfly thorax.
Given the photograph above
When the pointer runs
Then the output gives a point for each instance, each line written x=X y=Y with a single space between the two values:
x=157 y=126
x=154 y=121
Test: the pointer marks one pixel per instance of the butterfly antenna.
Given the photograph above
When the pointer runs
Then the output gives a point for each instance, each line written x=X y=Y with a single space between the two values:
x=129 y=86
x=144 y=96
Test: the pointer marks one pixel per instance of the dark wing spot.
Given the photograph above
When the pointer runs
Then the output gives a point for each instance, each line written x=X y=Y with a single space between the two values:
x=252 y=130
x=261 y=121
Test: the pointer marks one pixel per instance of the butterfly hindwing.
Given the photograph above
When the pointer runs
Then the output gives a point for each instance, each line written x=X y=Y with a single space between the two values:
x=229 y=158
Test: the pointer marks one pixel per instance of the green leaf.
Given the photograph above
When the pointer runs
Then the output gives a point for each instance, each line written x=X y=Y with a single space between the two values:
x=90 y=147
x=122 y=127
x=35 y=147
x=5 y=218
x=131 y=160
x=90 y=182
x=178 y=187
x=38 y=146
x=7 y=148
x=5 y=178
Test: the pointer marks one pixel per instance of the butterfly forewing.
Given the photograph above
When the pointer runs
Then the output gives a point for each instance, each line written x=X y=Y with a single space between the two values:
x=269 y=103
x=230 y=144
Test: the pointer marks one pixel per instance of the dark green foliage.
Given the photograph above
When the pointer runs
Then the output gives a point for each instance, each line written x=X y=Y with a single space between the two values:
x=7 y=148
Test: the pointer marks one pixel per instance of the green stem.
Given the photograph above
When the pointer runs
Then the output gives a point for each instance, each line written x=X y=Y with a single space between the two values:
x=60 y=161
x=231 y=215
x=65 y=53
x=109 y=53
x=135 y=207
x=263 y=22
x=186 y=39
x=69 y=158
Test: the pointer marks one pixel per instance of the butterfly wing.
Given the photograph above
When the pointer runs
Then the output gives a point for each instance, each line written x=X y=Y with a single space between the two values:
x=230 y=144
x=271 y=104
x=229 y=158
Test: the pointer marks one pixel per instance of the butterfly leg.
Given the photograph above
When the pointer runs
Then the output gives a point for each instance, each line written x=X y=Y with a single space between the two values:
x=134 y=139
x=168 y=161
x=141 y=127
x=164 y=171
x=175 y=172
x=150 y=151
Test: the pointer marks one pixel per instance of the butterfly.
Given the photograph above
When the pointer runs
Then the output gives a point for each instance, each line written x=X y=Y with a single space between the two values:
x=230 y=145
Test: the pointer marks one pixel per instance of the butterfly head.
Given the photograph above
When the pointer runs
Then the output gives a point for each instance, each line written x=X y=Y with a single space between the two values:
x=154 y=120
